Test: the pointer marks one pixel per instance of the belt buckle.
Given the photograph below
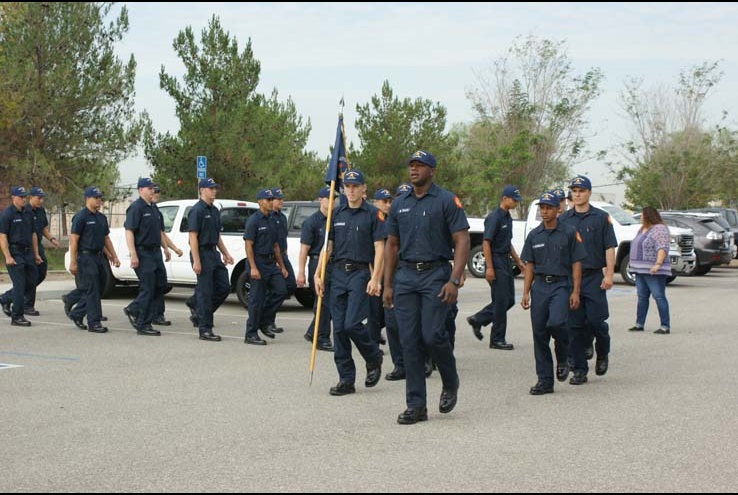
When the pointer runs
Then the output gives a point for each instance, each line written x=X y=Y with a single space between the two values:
x=420 y=267
x=549 y=279
x=348 y=267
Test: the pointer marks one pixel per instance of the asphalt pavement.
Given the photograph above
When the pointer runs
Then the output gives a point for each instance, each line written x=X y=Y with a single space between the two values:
x=120 y=412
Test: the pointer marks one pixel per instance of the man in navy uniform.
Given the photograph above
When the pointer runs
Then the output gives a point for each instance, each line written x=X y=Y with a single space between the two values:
x=19 y=245
x=382 y=200
x=427 y=228
x=267 y=270
x=41 y=227
x=132 y=309
x=212 y=287
x=144 y=231
x=553 y=253
x=312 y=236
x=280 y=219
x=87 y=240
x=356 y=244
x=498 y=248
x=589 y=320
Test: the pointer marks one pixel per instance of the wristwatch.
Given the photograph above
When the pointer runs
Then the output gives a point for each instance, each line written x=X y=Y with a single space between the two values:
x=455 y=281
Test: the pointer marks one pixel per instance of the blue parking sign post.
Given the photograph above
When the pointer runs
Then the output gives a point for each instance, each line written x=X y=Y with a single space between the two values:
x=202 y=170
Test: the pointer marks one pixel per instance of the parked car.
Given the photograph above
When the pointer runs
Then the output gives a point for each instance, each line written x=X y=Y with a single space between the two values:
x=711 y=241
x=730 y=216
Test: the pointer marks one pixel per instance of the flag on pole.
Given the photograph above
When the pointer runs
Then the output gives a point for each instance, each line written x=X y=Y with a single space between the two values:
x=338 y=163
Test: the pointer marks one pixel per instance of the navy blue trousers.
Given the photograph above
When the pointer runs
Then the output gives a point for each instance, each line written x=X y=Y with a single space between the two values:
x=422 y=319
x=349 y=309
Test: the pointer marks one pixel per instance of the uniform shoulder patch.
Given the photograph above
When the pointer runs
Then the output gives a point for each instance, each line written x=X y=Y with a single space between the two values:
x=380 y=216
x=579 y=238
x=457 y=202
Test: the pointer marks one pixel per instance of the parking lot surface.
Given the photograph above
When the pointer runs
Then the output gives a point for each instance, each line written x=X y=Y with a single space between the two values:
x=123 y=412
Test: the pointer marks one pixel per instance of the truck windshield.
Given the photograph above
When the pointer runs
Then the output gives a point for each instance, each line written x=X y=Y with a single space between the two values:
x=619 y=215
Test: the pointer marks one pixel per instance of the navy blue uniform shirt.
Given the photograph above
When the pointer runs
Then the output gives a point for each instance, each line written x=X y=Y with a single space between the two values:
x=205 y=220
x=313 y=232
x=40 y=221
x=354 y=232
x=425 y=225
x=597 y=232
x=280 y=220
x=498 y=227
x=144 y=220
x=17 y=225
x=262 y=231
x=553 y=251
x=91 y=228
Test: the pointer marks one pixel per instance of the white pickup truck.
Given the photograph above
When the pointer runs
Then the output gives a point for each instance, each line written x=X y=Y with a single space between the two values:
x=179 y=270
x=681 y=249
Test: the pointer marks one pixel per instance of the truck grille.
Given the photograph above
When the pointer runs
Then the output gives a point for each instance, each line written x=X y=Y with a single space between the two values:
x=686 y=244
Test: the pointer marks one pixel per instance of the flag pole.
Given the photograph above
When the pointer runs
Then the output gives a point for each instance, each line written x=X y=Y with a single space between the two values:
x=323 y=253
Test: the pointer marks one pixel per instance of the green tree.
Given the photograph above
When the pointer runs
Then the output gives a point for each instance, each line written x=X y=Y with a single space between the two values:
x=390 y=130
x=674 y=160
x=252 y=141
x=67 y=117
x=530 y=116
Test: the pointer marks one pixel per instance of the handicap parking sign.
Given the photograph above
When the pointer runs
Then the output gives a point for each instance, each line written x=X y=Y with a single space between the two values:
x=202 y=167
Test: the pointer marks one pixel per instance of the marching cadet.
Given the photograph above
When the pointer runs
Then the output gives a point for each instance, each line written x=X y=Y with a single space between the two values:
x=427 y=228
x=41 y=227
x=280 y=219
x=498 y=249
x=144 y=231
x=553 y=253
x=311 y=243
x=382 y=200
x=132 y=309
x=356 y=243
x=19 y=245
x=88 y=238
x=268 y=272
x=212 y=287
x=589 y=320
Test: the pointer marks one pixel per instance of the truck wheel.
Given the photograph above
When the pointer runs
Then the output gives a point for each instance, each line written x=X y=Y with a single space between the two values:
x=243 y=285
x=476 y=264
x=627 y=275
x=306 y=297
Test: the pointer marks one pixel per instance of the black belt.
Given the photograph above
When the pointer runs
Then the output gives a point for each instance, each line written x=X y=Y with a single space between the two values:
x=590 y=271
x=148 y=248
x=314 y=256
x=350 y=266
x=207 y=248
x=549 y=279
x=424 y=266
x=20 y=247
x=90 y=251
x=264 y=257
